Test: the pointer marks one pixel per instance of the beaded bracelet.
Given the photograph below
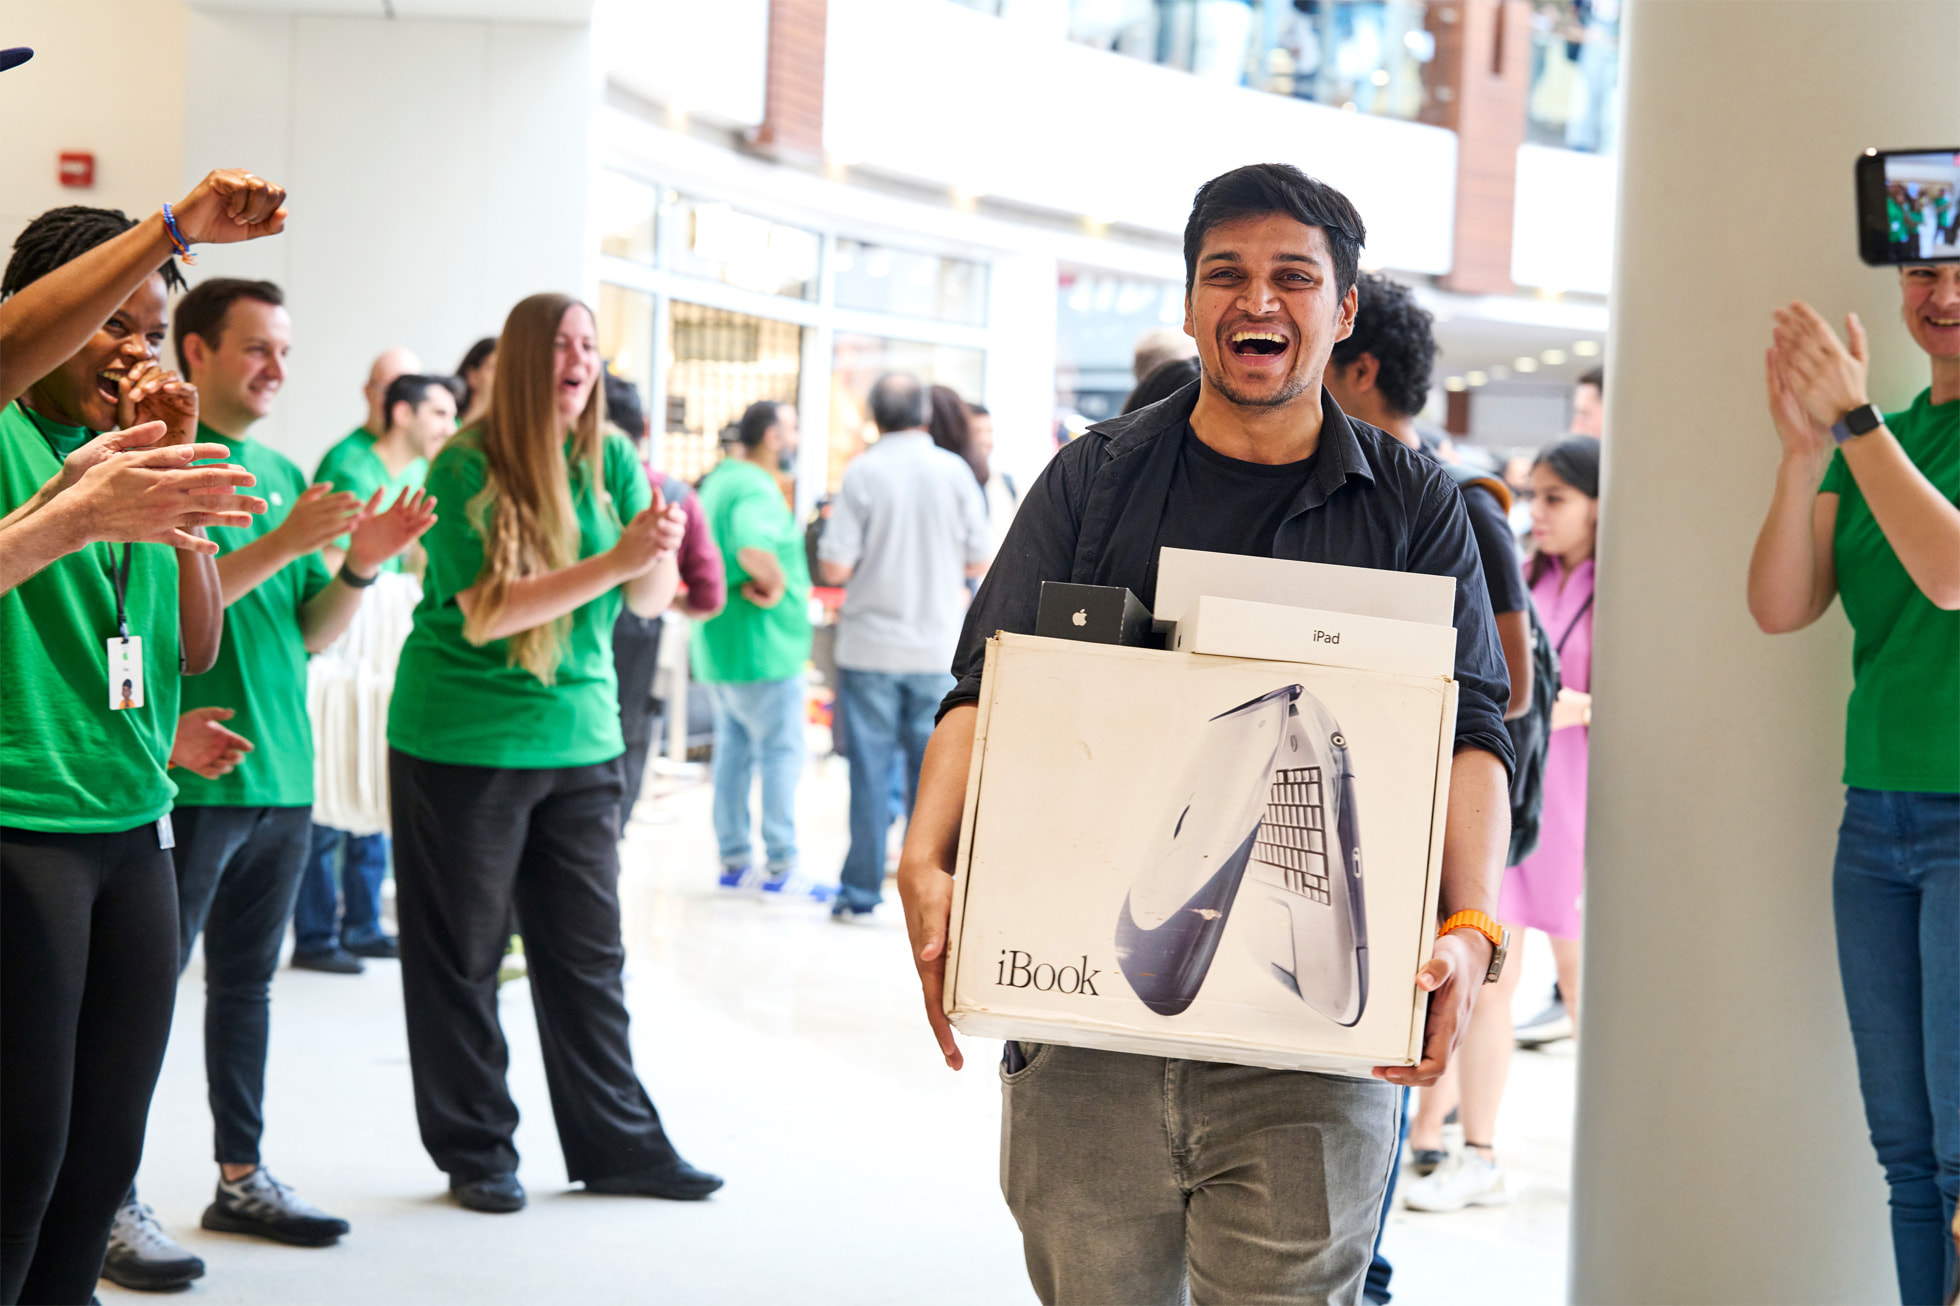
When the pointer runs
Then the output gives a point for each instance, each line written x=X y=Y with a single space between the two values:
x=181 y=246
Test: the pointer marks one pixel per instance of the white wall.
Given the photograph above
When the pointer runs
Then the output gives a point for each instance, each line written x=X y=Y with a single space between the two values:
x=1004 y=109
x=1721 y=1153
x=706 y=60
x=437 y=173
x=121 y=98
x=1562 y=227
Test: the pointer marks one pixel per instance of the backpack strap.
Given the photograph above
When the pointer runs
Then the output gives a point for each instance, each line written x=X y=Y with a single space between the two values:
x=1487 y=482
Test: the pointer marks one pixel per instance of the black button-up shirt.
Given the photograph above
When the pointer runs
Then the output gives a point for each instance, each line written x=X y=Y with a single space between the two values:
x=1093 y=517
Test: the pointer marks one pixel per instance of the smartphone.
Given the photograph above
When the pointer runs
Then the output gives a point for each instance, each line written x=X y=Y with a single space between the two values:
x=1909 y=206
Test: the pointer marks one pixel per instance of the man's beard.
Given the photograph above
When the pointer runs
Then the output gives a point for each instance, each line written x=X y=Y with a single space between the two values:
x=1290 y=389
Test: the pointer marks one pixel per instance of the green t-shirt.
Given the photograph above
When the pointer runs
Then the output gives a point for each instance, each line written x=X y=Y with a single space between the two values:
x=467 y=705
x=70 y=763
x=1902 y=730
x=261 y=670
x=744 y=509
x=353 y=465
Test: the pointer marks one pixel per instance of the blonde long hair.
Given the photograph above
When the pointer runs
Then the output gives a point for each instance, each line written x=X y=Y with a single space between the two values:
x=525 y=513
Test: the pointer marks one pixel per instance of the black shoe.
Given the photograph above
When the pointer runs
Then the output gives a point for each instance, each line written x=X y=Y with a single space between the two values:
x=382 y=947
x=143 y=1256
x=498 y=1194
x=334 y=961
x=677 y=1181
x=263 y=1207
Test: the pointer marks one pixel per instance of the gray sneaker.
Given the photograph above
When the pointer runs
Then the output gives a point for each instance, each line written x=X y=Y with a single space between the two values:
x=143 y=1256
x=263 y=1207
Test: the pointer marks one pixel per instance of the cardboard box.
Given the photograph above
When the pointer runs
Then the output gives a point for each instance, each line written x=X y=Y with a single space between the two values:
x=1236 y=628
x=1163 y=853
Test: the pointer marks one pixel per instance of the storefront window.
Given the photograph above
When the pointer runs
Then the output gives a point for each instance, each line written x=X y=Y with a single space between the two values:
x=879 y=279
x=861 y=360
x=1575 y=74
x=626 y=207
x=1097 y=323
x=626 y=336
x=1366 y=55
x=722 y=243
x=721 y=363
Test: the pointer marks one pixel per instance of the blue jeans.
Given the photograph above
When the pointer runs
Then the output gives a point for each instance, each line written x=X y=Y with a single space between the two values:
x=363 y=866
x=891 y=715
x=758 y=723
x=1897 y=894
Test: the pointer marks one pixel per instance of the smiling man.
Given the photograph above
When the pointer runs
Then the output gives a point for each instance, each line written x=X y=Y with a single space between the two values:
x=1129 y=1174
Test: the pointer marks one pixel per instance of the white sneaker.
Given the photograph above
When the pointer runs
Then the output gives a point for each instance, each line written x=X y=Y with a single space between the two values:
x=1466 y=1179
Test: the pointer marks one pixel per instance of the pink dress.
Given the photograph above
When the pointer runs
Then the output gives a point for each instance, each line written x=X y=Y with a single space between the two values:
x=1543 y=891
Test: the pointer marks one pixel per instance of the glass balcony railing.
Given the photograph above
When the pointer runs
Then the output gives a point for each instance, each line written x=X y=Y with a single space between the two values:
x=1575 y=74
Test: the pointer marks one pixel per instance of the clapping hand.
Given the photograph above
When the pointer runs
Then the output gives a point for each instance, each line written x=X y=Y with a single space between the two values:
x=1822 y=374
x=129 y=490
x=204 y=746
x=654 y=533
x=318 y=517
x=379 y=536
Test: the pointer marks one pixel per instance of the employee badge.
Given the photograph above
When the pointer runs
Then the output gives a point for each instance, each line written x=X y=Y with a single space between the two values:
x=125 y=672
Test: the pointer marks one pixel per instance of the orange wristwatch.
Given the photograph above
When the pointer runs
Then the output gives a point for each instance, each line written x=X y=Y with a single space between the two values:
x=1500 y=938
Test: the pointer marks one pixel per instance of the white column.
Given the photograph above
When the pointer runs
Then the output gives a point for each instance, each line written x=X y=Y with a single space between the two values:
x=1722 y=1154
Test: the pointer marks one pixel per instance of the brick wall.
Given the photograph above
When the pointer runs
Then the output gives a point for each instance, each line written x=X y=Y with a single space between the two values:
x=1481 y=86
x=792 y=123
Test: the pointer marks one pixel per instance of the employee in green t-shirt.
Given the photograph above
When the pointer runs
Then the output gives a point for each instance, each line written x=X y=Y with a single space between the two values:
x=752 y=655
x=1876 y=524
x=242 y=838
x=337 y=915
x=396 y=360
x=504 y=771
x=87 y=947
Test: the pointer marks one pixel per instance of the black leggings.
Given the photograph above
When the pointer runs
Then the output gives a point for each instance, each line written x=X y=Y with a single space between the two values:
x=88 y=975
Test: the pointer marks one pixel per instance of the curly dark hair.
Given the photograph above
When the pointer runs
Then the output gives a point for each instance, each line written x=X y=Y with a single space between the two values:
x=66 y=233
x=1390 y=325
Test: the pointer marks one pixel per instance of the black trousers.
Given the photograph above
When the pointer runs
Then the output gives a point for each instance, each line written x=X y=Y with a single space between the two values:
x=88 y=975
x=636 y=657
x=469 y=842
x=238 y=871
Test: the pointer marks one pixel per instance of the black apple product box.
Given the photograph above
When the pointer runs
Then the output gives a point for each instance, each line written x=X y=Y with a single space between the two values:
x=1098 y=614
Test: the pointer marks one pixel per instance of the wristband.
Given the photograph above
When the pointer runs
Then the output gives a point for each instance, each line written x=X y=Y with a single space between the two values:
x=1500 y=938
x=352 y=581
x=181 y=246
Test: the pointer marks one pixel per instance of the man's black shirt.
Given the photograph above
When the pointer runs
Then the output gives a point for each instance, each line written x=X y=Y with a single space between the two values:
x=1223 y=505
x=1096 y=514
x=1498 y=549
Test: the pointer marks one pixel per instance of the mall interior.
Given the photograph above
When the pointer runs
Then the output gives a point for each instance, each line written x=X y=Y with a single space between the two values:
x=786 y=200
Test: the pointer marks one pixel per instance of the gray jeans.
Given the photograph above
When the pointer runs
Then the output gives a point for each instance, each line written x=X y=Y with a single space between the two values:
x=1126 y=1173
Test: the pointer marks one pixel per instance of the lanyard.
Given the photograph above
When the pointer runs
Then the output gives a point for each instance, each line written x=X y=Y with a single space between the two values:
x=119 y=578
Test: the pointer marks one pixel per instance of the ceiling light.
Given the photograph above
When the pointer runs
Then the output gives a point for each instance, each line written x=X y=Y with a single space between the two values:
x=1475 y=378
x=1552 y=357
x=1500 y=372
x=1379 y=77
x=1586 y=348
x=1454 y=384
x=1525 y=363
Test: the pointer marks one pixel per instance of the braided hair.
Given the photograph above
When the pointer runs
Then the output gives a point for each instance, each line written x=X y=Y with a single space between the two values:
x=66 y=233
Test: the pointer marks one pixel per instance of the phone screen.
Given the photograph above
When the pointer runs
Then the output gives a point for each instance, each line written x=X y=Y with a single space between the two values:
x=1909 y=206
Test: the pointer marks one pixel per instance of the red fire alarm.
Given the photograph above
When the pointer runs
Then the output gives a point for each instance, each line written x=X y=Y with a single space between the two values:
x=77 y=169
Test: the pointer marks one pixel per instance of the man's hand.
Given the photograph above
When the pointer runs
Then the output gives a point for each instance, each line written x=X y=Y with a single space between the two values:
x=1572 y=707
x=654 y=532
x=761 y=595
x=153 y=496
x=380 y=536
x=926 y=891
x=204 y=746
x=319 y=516
x=98 y=450
x=1452 y=977
x=1826 y=377
x=153 y=393
x=230 y=205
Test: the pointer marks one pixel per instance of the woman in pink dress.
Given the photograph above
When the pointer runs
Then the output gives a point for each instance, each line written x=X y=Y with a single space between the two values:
x=1543 y=891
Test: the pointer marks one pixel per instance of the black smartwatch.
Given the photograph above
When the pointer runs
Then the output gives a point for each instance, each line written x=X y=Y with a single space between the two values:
x=349 y=579
x=1857 y=422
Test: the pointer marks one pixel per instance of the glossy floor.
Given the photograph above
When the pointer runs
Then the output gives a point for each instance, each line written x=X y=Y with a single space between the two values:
x=787 y=1054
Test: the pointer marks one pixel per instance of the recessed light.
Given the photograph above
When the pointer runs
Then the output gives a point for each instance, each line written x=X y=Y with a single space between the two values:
x=1586 y=348
x=1500 y=372
x=1454 y=384
x=1475 y=378
x=1552 y=357
x=1525 y=363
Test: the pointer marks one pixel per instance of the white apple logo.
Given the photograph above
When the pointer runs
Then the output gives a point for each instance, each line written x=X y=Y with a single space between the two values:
x=1080 y=617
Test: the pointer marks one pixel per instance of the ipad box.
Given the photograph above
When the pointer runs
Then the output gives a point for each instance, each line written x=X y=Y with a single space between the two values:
x=1202 y=854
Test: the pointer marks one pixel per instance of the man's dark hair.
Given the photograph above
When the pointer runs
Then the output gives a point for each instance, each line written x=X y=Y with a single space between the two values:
x=623 y=406
x=202 y=312
x=1392 y=327
x=1165 y=380
x=757 y=418
x=1594 y=377
x=977 y=410
x=1261 y=188
x=898 y=403
x=411 y=390
x=66 y=233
